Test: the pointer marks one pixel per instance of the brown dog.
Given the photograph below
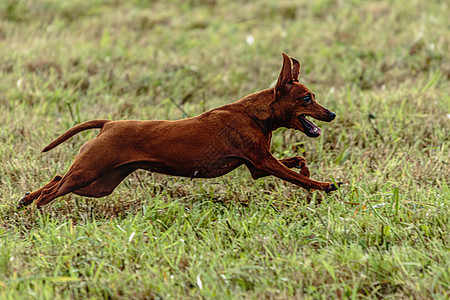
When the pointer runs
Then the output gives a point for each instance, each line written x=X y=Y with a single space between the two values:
x=208 y=145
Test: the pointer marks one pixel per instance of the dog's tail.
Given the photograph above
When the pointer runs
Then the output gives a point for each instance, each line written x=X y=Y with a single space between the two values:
x=74 y=130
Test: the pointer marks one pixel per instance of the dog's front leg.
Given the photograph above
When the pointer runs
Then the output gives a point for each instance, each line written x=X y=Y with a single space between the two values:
x=291 y=162
x=297 y=162
x=267 y=164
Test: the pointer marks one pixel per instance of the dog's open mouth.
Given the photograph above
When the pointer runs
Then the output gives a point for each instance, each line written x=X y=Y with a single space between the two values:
x=311 y=130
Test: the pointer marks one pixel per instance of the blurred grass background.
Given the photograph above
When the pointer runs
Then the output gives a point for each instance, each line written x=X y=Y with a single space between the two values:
x=382 y=66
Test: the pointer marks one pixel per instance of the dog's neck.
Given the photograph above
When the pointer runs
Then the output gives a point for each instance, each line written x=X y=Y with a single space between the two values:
x=263 y=108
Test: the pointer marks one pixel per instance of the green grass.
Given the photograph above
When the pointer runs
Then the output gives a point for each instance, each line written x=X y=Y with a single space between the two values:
x=383 y=67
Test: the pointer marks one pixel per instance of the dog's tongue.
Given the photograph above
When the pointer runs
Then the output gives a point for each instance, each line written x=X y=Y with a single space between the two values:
x=317 y=130
x=311 y=129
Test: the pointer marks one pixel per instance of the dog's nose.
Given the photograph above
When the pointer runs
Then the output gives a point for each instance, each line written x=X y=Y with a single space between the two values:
x=332 y=115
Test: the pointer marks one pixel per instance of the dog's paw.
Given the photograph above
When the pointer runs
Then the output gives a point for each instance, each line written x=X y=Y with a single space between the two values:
x=333 y=187
x=304 y=170
x=23 y=201
x=302 y=166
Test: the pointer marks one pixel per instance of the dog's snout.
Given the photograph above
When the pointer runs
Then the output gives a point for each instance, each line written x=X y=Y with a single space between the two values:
x=328 y=116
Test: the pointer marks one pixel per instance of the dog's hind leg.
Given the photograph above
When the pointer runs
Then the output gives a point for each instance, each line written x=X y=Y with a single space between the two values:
x=29 y=197
x=105 y=184
x=76 y=178
x=85 y=183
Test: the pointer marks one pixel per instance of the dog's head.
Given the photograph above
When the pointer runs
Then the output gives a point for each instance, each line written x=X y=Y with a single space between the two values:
x=295 y=101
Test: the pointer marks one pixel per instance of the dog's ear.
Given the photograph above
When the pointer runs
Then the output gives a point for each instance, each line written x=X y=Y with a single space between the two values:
x=285 y=80
x=295 y=69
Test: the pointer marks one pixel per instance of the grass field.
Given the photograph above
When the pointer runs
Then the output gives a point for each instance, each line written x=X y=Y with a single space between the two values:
x=382 y=66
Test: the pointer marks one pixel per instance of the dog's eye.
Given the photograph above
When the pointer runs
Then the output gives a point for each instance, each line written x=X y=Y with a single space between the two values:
x=307 y=99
